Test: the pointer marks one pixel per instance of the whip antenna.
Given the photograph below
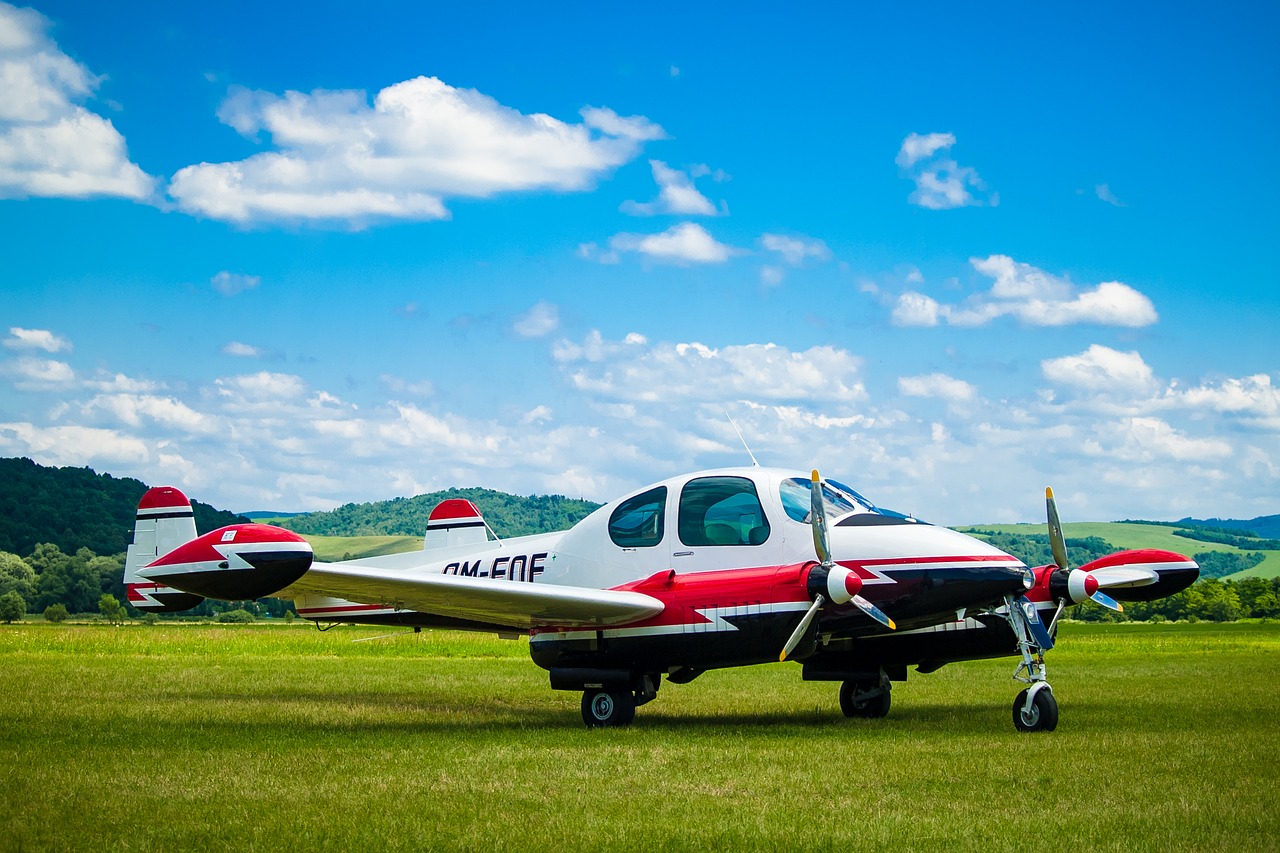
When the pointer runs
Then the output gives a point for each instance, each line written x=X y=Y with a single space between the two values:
x=754 y=463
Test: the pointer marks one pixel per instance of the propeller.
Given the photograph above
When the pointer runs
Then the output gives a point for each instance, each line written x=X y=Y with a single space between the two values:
x=827 y=581
x=1076 y=585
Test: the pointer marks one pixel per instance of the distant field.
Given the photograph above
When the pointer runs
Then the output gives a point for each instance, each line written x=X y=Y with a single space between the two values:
x=161 y=738
x=1145 y=536
x=333 y=548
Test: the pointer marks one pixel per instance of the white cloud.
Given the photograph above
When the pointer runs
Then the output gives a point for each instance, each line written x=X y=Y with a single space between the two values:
x=43 y=339
x=916 y=309
x=685 y=243
x=676 y=195
x=941 y=182
x=937 y=385
x=230 y=283
x=1103 y=192
x=243 y=350
x=1032 y=296
x=796 y=250
x=49 y=144
x=637 y=371
x=539 y=321
x=1101 y=369
x=37 y=373
x=339 y=159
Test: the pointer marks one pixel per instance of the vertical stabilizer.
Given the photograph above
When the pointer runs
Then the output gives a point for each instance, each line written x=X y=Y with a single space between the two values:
x=165 y=520
x=454 y=522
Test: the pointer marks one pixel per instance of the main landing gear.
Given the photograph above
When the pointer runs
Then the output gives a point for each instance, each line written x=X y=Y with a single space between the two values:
x=611 y=706
x=868 y=699
x=1035 y=709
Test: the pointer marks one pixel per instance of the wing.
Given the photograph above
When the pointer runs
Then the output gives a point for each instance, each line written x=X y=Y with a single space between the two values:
x=516 y=604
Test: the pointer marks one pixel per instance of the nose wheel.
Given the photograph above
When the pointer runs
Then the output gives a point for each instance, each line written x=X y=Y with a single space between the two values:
x=1035 y=712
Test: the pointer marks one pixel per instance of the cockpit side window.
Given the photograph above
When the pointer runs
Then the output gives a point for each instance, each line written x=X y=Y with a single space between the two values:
x=639 y=522
x=722 y=511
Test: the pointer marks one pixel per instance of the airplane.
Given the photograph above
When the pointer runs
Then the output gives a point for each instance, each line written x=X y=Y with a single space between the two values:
x=713 y=569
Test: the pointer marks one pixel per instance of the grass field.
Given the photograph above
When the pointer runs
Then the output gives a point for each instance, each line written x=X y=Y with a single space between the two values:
x=280 y=737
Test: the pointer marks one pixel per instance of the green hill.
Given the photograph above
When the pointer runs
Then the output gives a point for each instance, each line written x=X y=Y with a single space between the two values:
x=508 y=515
x=76 y=508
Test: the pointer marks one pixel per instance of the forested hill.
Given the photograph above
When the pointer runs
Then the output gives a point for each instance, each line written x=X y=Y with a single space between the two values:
x=76 y=508
x=1265 y=526
x=508 y=515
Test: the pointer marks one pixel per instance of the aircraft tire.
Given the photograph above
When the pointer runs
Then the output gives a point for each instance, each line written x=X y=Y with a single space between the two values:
x=1043 y=716
x=608 y=708
x=870 y=708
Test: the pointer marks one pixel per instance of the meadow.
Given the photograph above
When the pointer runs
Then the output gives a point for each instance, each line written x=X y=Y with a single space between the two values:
x=269 y=737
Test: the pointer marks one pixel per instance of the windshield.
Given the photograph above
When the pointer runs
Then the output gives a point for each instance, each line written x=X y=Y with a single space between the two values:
x=838 y=500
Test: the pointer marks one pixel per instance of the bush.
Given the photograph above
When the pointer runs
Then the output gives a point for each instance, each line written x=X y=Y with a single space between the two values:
x=111 y=608
x=235 y=616
x=55 y=613
x=12 y=606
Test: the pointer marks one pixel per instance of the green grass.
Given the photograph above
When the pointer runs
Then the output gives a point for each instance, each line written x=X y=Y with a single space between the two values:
x=275 y=737
x=1145 y=536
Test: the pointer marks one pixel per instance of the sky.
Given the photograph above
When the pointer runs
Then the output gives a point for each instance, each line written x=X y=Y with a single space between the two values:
x=289 y=256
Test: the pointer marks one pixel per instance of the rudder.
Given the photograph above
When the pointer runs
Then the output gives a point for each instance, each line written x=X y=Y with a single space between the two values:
x=165 y=520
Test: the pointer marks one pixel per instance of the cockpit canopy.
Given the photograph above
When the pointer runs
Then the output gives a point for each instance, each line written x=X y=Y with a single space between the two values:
x=725 y=508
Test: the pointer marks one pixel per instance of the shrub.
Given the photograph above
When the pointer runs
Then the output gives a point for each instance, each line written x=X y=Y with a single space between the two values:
x=12 y=606
x=235 y=616
x=55 y=613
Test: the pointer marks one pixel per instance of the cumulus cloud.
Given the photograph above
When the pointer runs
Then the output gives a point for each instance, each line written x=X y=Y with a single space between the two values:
x=796 y=250
x=1033 y=297
x=1101 y=368
x=941 y=182
x=539 y=321
x=634 y=370
x=50 y=145
x=230 y=283
x=243 y=350
x=682 y=244
x=42 y=339
x=338 y=158
x=676 y=195
x=937 y=385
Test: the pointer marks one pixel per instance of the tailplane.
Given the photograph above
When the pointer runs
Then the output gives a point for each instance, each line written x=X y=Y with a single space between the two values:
x=165 y=520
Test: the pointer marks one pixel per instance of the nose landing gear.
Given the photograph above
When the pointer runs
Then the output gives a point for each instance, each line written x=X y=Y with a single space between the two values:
x=1035 y=709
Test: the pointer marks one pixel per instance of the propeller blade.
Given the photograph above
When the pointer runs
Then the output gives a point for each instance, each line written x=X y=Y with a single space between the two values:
x=1107 y=601
x=818 y=521
x=798 y=634
x=874 y=612
x=1056 y=540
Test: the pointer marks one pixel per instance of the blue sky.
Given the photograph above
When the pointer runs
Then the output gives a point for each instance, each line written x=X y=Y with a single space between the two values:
x=294 y=257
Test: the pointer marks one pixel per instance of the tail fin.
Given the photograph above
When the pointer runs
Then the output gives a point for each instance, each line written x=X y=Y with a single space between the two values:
x=454 y=522
x=165 y=520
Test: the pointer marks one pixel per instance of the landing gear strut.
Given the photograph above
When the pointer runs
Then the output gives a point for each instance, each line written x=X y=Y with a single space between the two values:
x=1035 y=709
x=868 y=699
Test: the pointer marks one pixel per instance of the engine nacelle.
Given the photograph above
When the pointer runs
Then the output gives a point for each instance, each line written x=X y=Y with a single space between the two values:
x=1174 y=573
x=242 y=561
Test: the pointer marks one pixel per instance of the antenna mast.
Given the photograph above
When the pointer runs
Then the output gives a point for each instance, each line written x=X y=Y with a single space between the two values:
x=754 y=463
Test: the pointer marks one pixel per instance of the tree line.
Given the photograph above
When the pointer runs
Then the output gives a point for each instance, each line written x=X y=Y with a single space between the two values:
x=508 y=515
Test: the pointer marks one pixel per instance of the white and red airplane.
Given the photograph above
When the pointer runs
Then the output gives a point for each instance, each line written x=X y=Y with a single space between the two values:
x=702 y=571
